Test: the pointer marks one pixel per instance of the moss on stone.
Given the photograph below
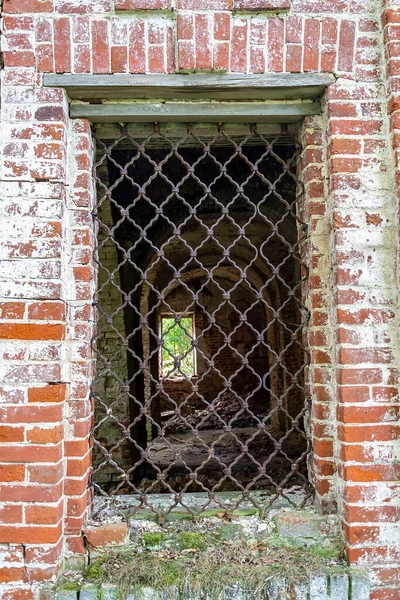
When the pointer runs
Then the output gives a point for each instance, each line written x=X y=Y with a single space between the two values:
x=153 y=538
x=188 y=540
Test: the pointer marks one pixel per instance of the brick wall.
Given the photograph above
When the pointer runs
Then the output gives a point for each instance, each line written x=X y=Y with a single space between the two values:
x=350 y=172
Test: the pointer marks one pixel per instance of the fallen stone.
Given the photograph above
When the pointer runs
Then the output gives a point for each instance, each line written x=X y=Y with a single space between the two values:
x=109 y=534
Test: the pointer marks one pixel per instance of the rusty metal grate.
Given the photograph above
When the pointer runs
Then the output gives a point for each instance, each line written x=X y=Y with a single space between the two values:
x=199 y=344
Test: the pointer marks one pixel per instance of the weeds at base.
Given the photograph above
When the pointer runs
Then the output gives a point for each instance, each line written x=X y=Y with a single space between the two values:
x=211 y=569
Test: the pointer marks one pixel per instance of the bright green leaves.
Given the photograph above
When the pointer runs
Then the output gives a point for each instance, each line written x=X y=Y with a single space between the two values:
x=177 y=347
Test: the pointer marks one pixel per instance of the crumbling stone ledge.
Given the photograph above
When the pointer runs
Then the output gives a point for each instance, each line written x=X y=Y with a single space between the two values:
x=330 y=586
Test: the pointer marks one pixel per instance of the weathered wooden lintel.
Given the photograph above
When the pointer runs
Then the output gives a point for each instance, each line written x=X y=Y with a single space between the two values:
x=195 y=111
x=292 y=95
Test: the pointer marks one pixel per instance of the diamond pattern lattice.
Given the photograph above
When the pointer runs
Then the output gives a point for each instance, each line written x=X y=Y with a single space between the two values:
x=200 y=227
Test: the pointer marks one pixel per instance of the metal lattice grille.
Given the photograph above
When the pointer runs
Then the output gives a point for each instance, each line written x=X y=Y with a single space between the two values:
x=199 y=343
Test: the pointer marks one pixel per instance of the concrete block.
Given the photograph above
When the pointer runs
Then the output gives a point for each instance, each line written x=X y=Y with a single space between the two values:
x=299 y=591
x=89 y=592
x=171 y=593
x=319 y=587
x=233 y=592
x=109 y=592
x=360 y=586
x=339 y=586
x=276 y=588
x=301 y=526
x=147 y=593
x=67 y=595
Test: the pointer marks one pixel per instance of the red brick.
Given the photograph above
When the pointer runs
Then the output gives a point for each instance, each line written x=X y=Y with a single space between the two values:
x=48 y=311
x=18 y=58
x=221 y=55
x=113 y=534
x=12 y=310
x=368 y=433
x=76 y=544
x=294 y=54
x=367 y=414
x=137 y=55
x=11 y=513
x=48 y=554
x=354 y=394
x=156 y=59
x=239 y=46
x=33 y=6
x=32 y=454
x=345 y=146
x=185 y=26
x=45 y=58
x=257 y=5
x=43 y=29
x=31 y=331
x=49 y=393
x=222 y=26
x=9 y=473
x=19 y=23
x=358 y=317
x=30 y=493
x=187 y=55
x=51 y=474
x=119 y=59
x=31 y=414
x=43 y=514
x=142 y=4
x=329 y=30
x=100 y=47
x=203 y=38
x=358 y=377
x=62 y=45
x=311 y=45
x=204 y=4
x=82 y=58
x=355 y=127
x=11 y=434
x=356 y=534
x=346 y=45
x=364 y=355
x=370 y=473
x=29 y=534
x=76 y=448
x=274 y=44
x=294 y=29
x=45 y=435
x=9 y=574
x=78 y=467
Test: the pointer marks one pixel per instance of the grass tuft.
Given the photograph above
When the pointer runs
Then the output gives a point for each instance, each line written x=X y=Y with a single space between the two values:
x=209 y=565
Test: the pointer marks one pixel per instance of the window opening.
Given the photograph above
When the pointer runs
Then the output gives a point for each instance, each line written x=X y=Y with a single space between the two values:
x=177 y=352
x=200 y=360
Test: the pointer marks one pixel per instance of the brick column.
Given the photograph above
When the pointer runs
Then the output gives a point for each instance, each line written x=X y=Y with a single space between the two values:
x=364 y=211
x=35 y=380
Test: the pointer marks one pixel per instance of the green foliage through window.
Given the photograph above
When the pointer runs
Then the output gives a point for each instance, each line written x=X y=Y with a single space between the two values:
x=177 y=349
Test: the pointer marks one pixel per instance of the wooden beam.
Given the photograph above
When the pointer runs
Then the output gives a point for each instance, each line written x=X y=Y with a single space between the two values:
x=178 y=129
x=195 y=111
x=192 y=86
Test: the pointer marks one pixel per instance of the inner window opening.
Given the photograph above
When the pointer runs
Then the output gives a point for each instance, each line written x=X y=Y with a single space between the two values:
x=177 y=352
x=200 y=360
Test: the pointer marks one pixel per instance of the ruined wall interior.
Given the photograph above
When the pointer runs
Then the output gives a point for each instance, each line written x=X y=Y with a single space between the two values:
x=349 y=170
x=221 y=242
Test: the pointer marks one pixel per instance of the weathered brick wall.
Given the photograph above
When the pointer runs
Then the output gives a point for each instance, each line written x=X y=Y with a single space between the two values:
x=350 y=172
